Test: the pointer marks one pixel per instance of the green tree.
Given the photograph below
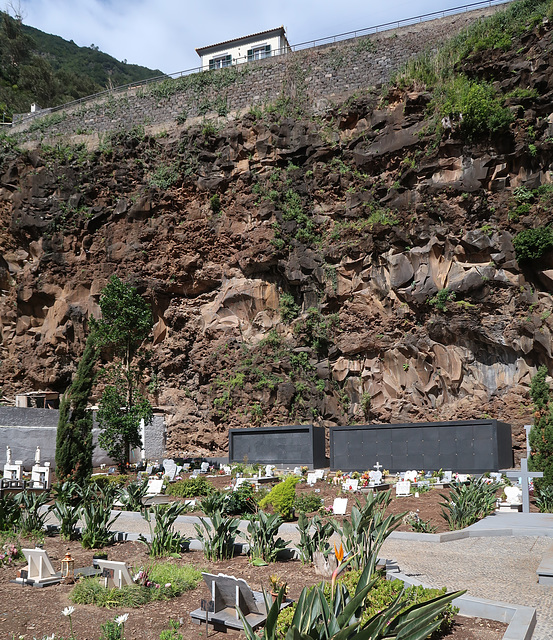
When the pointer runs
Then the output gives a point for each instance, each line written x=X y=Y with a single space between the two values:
x=541 y=434
x=126 y=322
x=74 y=434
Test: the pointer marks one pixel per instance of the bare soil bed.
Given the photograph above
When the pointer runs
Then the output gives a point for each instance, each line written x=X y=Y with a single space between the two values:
x=30 y=612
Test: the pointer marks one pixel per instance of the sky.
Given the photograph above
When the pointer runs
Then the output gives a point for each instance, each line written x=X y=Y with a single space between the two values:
x=163 y=34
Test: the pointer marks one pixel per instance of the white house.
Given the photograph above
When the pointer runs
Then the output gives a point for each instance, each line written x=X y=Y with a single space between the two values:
x=254 y=47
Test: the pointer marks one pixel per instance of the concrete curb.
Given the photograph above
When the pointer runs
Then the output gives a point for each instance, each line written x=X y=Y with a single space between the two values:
x=521 y=619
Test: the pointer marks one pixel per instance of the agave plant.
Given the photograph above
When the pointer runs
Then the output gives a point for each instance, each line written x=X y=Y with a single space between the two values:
x=10 y=513
x=316 y=619
x=95 y=512
x=133 y=495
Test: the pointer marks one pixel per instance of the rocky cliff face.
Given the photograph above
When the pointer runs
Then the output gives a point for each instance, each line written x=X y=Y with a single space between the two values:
x=337 y=270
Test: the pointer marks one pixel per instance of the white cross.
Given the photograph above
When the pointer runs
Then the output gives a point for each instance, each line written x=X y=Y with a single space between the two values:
x=377 y=466
x=528 y=428
x=524 y=475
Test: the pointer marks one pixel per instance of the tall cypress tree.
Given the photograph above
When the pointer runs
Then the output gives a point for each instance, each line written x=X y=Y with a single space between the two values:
x=74 y=435
x=541 y=434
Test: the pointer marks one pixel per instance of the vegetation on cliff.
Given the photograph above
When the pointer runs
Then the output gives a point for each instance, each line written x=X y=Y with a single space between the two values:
x=380 y=260
x=36 y=67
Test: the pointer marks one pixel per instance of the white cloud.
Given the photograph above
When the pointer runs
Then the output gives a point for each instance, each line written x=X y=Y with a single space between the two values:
x=164 y=33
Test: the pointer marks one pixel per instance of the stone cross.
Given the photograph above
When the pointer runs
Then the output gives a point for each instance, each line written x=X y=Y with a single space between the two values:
x=524 y=475
x=377 y=466
x=527 y=428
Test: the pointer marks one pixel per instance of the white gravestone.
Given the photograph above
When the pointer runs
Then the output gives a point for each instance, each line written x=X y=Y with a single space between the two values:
x=411 y=476
x=227 y=469
x=320 y=474
x=155 y=487
x=270 y=471
x=496 y=477
x=170 y=469
x=14 y=471
x=115 y=574
x=311 y=479
x=350 y=485
x=525 y=476
x=204 y=467
x=375 y=477
x=40 y=571
x=40 y=476
x=340 y=506
x=403 y=488
x=462 y=477
x=447 y=477
x=513 y=495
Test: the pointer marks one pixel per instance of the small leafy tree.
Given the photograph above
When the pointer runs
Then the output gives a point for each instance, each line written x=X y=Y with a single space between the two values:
x=74 y=434
x=541 y=434
x=126 y=322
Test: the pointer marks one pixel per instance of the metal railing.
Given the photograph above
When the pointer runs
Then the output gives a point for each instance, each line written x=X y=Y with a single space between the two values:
x=308 y=44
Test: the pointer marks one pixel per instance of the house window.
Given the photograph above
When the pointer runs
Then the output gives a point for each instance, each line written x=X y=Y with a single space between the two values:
x=257 y=53
x=220 y=62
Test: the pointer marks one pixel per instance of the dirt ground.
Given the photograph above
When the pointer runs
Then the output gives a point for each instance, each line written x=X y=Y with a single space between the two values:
x=29 y=612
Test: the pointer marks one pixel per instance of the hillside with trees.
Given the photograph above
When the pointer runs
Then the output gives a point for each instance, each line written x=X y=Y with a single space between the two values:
x=36 y=67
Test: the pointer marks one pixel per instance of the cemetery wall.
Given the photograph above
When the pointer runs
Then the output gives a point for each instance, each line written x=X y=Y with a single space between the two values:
x=316 y=77
x=25 y=429
x=282 y=446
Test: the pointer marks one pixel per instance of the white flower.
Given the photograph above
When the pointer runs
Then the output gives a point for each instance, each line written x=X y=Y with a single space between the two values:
x=68 y=611
x=122 y=619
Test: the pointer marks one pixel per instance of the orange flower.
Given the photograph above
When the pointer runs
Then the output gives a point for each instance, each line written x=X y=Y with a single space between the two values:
x=339 y=553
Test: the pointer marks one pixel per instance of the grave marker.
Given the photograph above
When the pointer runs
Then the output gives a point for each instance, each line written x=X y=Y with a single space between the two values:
x=115 y=574
x=311 y=479
x=403 y=488
x=350 y=485
x=340 y=506
x=39 y=572
x=525 y=476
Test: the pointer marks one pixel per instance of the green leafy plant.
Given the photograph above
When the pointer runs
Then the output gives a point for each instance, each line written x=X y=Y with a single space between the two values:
x=10 y=513
x=338 y=615
x=314 y=536
x=66 y=508
x=413 y=520
x=541 y=434
x=190 y=488
x=364 y=533
x=159 y=581
x=532 y=244
x=288 y=308
x=33 y=511
x=164 y=540
x=217 y=536
x=544 y=499
x=441 y=299
x=308 y=502
x=262 y=537
x=95 y=512
x=133 y=495
x=468 y=503
x=281 y=498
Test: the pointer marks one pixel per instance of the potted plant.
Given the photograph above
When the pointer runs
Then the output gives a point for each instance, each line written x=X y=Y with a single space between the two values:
x=276 y=585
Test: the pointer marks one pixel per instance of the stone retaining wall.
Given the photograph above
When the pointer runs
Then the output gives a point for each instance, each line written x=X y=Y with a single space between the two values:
x=315 y=76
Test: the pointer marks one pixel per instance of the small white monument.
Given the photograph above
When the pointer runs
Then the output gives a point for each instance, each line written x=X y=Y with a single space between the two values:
x=411 y=476
x=403 y=488
x=40 y=571
x=340 y=506
x=115 y=574
x=8 y=455
x=270 y=471
x=350 y=485
x=37 y=455
x=375 y=477
x=40 y=475
x=311 y=479
x=14 y=471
